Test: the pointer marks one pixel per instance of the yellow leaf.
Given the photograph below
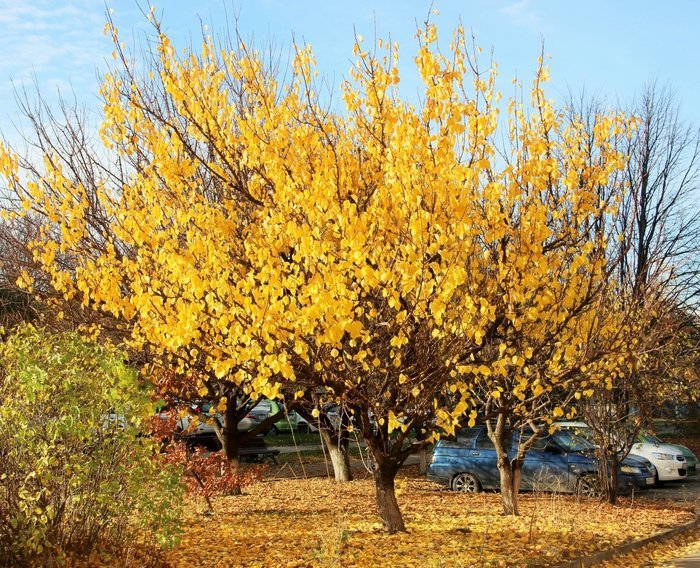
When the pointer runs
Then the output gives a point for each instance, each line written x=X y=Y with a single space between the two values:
x=354 y=329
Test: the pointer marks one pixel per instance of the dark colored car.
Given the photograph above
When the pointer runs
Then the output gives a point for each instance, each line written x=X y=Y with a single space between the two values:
x=561 y=462
x=203 y=434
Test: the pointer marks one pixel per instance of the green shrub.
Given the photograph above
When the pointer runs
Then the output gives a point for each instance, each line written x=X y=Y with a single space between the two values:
x=77 y=474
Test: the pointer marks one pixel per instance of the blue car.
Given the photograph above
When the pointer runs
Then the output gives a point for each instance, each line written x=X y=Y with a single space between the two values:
x=562 y=462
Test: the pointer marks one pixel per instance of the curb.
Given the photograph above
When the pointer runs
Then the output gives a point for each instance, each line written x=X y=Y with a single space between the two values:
x=610 y=553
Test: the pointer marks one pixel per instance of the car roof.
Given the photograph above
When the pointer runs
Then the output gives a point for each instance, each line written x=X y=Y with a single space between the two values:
x=570 y=424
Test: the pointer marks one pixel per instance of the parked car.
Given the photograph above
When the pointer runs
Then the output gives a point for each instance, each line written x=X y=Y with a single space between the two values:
x=203 y=433
x=561 y=462
x=647 y=440
x=289 y=422
x=669 y=461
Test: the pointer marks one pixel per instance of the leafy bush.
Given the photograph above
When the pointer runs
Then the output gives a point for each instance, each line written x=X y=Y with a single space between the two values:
x=208 y=474
x=77 y=474
x=205 y=473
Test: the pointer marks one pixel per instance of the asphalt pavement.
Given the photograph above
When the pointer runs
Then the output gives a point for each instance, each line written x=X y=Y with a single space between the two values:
x=687 y=492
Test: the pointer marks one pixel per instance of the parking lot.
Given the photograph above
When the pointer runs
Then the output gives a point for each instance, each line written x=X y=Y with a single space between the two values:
x=680 y=491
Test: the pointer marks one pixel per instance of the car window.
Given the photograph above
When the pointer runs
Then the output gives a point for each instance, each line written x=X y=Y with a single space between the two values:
x=575 y=439
x=466 y=437
x=463 y=439
x=483 y=442
x=648 y=438
x=539 y=446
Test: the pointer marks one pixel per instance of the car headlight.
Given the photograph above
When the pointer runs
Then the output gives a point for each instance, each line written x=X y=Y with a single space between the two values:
x=660 y=456
x=630 y=469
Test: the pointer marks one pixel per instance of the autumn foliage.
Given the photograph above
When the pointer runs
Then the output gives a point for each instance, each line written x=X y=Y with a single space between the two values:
x=77 y=475
x=208 y=474
x=393 y=256
x=205 y=473
x=454 y=529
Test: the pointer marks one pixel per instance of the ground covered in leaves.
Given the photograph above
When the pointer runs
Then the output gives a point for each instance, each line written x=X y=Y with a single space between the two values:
x=662 y=554
x=317 y=522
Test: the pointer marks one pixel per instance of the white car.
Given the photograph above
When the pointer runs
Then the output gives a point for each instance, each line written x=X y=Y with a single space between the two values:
x=292 y=421
x=669 y=460
x=691 y=459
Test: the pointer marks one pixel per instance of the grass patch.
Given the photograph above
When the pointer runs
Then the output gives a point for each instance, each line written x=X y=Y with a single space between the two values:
x=308 y=457
x=286 y=440
x=313 y=456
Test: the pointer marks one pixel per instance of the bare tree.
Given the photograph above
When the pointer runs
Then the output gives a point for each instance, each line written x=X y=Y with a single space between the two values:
x=663 y=176
x=658 y=276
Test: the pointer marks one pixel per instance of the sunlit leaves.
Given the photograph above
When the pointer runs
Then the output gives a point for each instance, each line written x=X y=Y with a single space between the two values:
x=461 y=527
x=387 y=253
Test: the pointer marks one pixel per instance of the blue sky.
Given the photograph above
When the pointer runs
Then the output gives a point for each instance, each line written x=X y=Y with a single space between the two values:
x=609 y=47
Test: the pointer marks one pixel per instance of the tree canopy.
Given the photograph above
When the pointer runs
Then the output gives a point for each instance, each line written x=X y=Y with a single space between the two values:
x=395 y=256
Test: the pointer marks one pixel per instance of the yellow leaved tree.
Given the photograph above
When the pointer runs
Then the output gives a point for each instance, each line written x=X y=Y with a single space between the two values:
x=556 y=331
x=387 y=256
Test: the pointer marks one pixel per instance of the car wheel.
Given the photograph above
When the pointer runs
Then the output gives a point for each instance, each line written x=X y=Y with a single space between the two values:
x=466 y=483
x=303 y=428
x=274 y=430
x=588 y=486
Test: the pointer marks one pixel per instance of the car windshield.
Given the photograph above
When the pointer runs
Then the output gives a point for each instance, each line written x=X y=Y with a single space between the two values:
x=649 y=438
x=575 y=439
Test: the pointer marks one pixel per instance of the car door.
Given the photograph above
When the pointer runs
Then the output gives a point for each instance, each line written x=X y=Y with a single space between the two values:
x=483 y=461
x=451 y=456
x=545 y=467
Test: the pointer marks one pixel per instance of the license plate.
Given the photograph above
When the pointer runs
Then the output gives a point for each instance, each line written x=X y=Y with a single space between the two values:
x=650 y=481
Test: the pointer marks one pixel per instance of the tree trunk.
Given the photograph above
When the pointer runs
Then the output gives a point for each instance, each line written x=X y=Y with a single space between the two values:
x=612 y=493
x=424 y=457
x=338 y=450
x=510 y=472
x=384 y=474
x=231 y=443
x=607 y=477
x=511 y=475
